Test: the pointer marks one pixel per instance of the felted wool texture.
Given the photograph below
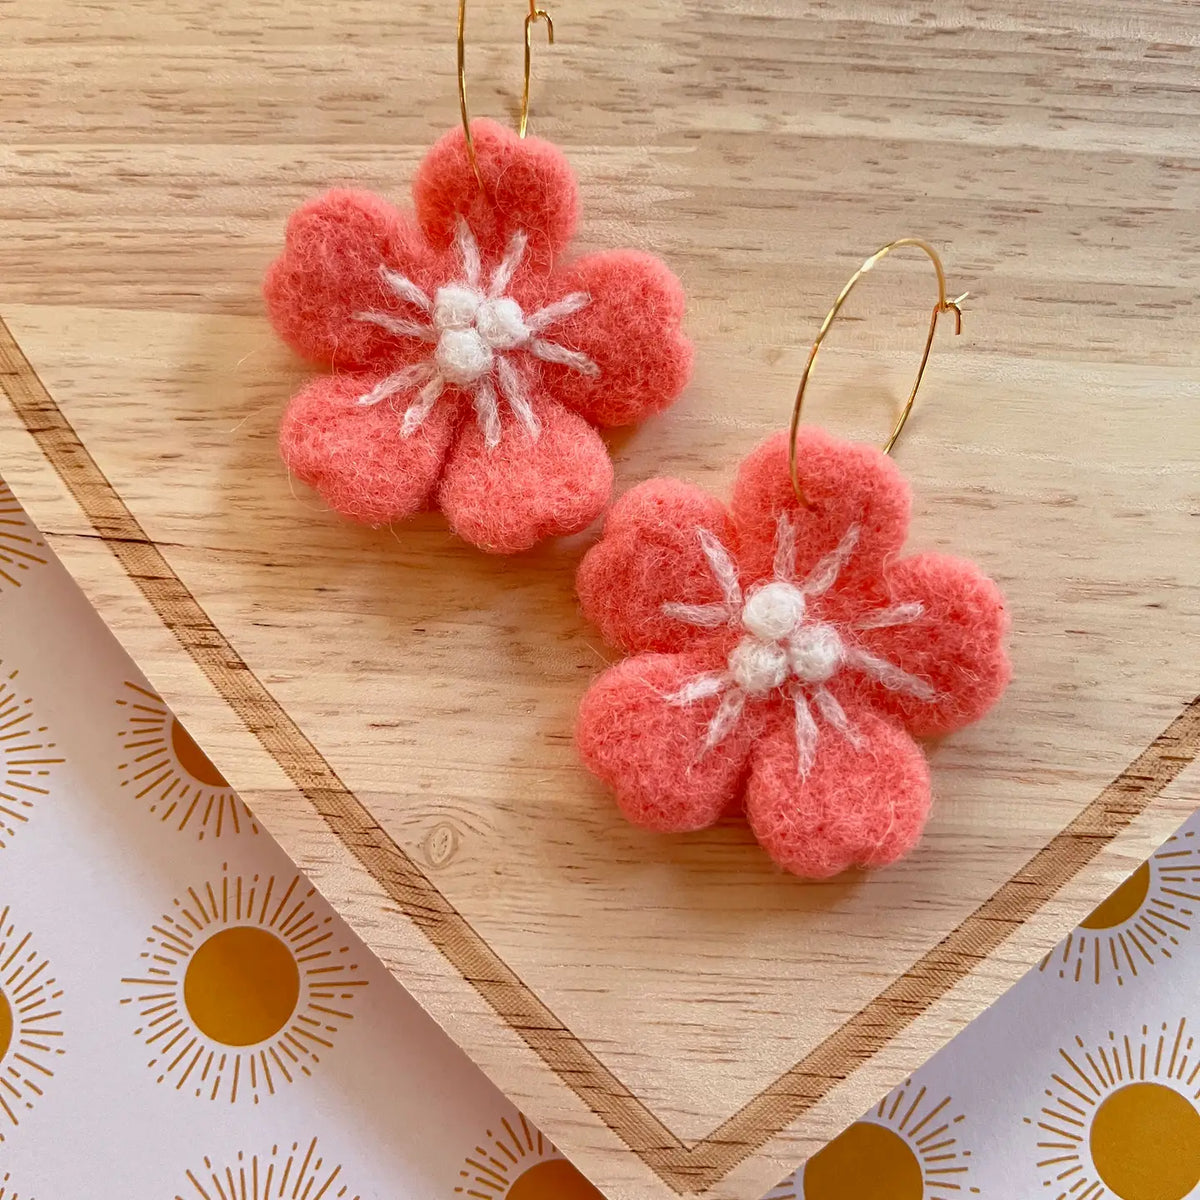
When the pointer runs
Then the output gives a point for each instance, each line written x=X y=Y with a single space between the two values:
x=356 y=458
x=509 y=499
x=859 y=806
x=635 y=743
x=632 y=331
x=464 y=330
x=329 y=270
x=845 y=483
x=528 y=186
x=967 y=664
x=798 y=622
x=649 y=555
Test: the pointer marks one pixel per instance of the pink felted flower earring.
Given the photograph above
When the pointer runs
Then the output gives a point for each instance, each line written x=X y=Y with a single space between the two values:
x=784 y=656
x=470 y=364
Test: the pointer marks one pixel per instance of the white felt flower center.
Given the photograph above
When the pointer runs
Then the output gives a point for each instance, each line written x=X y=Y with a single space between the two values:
x=784 y=647
x=474 y=334
x=815 y=652
x=470 y=328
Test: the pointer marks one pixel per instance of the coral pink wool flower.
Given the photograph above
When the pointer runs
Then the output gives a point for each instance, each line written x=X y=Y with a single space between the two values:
x=471 y=365
x=784 y=655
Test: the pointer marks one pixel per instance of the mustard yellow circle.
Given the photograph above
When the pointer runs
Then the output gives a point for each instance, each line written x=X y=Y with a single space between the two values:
x=241 y=986
x=865 y=1162
x=554 y=1179
x=6 y=1025
x=1145 y=1143
x=1122 y=904
x=192 y=759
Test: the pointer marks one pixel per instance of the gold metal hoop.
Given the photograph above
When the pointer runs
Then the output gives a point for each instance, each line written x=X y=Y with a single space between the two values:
x=942 y=306
x=535 y=15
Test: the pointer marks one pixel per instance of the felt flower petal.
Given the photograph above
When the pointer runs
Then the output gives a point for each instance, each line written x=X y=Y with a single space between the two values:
x=509 y=497
x=859 y=805
x=652 y=752
x=650 y=555
x=955 y=645
x=330 y=271
x=848 y=485
x=528 y=187
x=357 y=457
x=630 y=330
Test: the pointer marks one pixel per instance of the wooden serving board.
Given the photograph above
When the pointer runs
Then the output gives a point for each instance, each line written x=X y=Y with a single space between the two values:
x=397 y=708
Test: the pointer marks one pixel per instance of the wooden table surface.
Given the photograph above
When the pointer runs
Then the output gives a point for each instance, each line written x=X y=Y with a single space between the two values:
x=397 y=708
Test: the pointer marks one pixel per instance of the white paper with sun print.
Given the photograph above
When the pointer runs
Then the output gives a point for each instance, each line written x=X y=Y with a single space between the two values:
x=31 y=1036
x=181 y=1014
x=243 y=985
x=164 y=769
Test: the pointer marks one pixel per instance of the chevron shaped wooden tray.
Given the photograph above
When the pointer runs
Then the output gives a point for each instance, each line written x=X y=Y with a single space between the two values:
x=397 y=709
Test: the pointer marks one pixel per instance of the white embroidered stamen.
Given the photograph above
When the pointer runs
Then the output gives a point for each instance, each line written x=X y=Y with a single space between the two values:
x=728 y=713
x=785 y=548
x=568 y=306
x=699 y=688
x=704 y=616
x=835 y=714
x=406 y=377
x=884 y=618
x=807 y=734
x=514 y=392
x=400 y=326
x=888 y=674
x=785 y=648
x=487 y=412
x=502 y=275
x=824 y=574
x=405 y=289
x=415 y=414
x=468 y=251
x=554 y=353
x=473 y=334
x=722 y=566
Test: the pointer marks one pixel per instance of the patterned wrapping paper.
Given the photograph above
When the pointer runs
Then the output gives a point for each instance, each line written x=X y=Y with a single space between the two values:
x=182 y=1016
x=1081 y=1083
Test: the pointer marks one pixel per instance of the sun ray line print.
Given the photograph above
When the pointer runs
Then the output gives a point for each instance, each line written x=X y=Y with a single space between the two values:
x=298 y=1172
x=243 y=987
x=516 y=1162
x=1121 y=1119
x=26 y=759
x=168 y=772
x=21 y=547
x=908 y=1147
x=1142 y=922
x=31 y=1036
x=8 y=1189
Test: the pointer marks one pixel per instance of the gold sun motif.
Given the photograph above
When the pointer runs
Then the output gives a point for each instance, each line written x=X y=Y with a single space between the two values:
x=25 y=759
x=20 y=546
x=171 y=774
x=906 y=1149
x=1140 y=923
x=520 y=1164
x=244 y=985
x=30 y=1018
x=1121 y=1118
x=295 y=1173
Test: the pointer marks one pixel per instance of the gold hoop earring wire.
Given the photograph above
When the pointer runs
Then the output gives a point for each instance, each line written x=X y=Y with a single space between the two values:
x=942 y=306
x=535 y=15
